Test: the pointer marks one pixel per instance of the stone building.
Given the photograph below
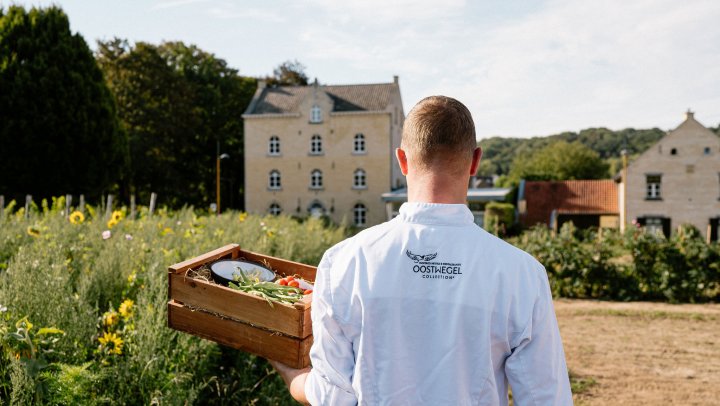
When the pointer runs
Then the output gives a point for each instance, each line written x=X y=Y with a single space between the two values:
x=675 y=182
x=323 y=150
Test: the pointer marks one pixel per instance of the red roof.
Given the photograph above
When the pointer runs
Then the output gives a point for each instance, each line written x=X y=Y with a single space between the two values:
x=568 y=197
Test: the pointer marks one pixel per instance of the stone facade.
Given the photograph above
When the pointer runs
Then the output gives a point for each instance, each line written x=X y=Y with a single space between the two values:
x=676 y=181
x=322 y=130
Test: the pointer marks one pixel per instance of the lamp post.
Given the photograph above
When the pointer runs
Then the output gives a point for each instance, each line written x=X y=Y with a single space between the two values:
x=217 y=172
x=623 y=224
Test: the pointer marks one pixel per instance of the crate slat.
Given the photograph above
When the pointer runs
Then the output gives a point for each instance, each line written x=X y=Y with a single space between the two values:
x=241 y=336
x=286 y=319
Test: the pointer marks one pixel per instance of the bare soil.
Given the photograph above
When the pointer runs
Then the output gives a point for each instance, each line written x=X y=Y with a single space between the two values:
x=641 y=353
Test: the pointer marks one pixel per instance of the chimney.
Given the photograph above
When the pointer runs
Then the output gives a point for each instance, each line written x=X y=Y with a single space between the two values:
x=396 y=79
x=262 y=83
x=689 y=114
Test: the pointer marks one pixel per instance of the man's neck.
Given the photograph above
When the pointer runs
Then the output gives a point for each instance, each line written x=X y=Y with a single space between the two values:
x=436 y=189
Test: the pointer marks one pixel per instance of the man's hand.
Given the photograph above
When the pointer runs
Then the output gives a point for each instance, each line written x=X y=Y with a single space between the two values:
x=294 y=379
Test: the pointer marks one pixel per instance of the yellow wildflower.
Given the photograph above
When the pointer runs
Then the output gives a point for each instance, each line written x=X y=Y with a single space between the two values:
x=166 y=231
x=242 y=216
x=77 y=217
x=113 y=342
x=117 y=215
x=126 y=308
x=33 y=231
x=111 y=318
x=112 y=223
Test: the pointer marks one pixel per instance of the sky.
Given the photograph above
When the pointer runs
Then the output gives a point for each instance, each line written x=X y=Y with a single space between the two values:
x=523 y=67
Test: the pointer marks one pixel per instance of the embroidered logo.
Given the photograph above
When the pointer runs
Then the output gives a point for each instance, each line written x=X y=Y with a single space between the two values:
x=418 y=258
x=426 y=269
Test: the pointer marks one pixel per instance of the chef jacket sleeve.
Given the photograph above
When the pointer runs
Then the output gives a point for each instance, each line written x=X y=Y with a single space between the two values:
x=536 y=368
x=331 y=355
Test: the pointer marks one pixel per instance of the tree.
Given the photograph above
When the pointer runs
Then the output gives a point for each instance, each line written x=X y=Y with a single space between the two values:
x=176 y=103
x=58 y=127
x=288 y=73
x=559 y=161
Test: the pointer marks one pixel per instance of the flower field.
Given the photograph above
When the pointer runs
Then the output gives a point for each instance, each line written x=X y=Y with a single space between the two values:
x=83 y=306
x=83 y=298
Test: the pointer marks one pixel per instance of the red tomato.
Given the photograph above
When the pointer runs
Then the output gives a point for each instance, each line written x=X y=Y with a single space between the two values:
x=290 y=278
x=307 y=292
x=294 y=283
x=283 y=282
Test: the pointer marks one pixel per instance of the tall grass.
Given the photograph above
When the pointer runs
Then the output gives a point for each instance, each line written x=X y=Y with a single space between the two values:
x=67 y=276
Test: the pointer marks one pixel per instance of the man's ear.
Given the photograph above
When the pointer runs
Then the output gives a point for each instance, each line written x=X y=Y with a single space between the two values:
x=477 y=155
x=402 y=160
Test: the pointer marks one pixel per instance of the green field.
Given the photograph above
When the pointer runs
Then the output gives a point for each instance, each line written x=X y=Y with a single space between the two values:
x=108 y=298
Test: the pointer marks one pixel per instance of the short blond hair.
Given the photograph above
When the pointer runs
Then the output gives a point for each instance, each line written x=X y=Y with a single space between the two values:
x=438 y=128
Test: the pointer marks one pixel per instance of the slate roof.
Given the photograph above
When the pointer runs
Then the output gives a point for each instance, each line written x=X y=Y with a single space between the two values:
x=286 y=99
x=568 y=197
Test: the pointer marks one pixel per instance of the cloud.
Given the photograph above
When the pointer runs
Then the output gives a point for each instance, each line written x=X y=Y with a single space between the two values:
x=229 y=12
x=164 y=5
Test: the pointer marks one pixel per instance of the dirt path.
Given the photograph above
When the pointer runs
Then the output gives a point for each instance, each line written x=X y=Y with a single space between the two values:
x=642 y=353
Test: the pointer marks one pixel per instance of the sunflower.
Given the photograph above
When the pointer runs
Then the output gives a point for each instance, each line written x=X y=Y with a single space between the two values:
x=112 y=342
x=110 y=318
x=126 y=308
x=112 y=223
x=33 y=231
x=77 y=217
x=117 y=215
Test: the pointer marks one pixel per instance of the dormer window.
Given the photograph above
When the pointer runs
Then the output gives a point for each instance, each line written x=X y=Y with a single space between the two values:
x=315 y=114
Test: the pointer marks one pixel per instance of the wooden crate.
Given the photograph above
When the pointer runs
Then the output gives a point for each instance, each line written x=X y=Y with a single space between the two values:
x=239 y=320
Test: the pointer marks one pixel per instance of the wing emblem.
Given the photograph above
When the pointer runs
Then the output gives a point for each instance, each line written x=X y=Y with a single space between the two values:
x=420 y=258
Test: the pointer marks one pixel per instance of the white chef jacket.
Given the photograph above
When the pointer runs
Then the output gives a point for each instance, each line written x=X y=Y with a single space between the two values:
x=429 y=309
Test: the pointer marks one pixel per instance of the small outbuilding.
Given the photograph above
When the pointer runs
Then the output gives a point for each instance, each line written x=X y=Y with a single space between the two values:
x=587 y=203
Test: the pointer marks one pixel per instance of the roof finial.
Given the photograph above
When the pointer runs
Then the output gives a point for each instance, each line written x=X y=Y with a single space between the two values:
x=689 y=114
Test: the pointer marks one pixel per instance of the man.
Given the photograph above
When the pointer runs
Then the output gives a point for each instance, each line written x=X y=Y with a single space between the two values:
x=428 y=308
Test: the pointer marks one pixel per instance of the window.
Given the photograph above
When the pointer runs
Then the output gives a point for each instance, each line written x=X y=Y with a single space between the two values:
x=706 y=151
x=274 y=179
x=315 y=114
x=653 y=187
x=673 y=151
x=359 y=144
x=274 y=145
x=360 y=214
x=316 y=180
x=316 y=209
x=359 y=181
x=316 y=145
x=654 y=225
x=275 y=209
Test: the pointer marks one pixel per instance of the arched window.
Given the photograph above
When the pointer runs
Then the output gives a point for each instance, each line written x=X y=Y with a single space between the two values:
x=274 y=179
x=316 y=209
x=360 y=214
x=275 y=209
x=316 y=179
x=316 y=145
x=359 y=180
x=274 y=145
x=315 y=114
x=359 y=144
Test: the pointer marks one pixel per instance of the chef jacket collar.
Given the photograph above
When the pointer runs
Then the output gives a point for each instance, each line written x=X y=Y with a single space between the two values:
x=436 y=213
